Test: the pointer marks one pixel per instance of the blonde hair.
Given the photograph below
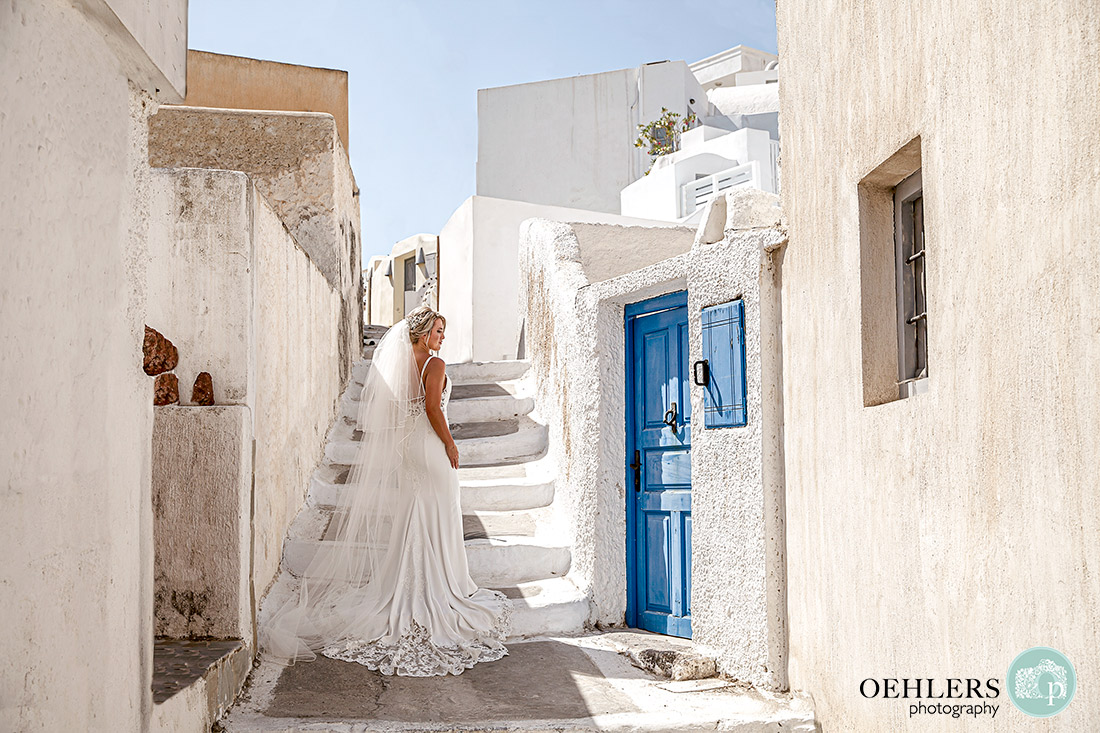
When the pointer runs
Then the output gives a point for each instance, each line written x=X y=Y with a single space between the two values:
x=421 y=320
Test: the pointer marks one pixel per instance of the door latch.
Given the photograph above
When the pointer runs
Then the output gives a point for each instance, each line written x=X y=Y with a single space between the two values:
x=670 y=418
x=637 y=466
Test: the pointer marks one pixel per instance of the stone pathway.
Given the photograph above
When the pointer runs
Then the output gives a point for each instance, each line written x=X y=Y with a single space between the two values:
x=555 y=677
x=547 y=683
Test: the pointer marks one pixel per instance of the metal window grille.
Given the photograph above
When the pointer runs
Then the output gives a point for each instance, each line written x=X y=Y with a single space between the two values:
x=911 y=258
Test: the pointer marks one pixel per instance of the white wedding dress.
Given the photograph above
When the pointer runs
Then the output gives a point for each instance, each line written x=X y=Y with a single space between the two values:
x=390 y=587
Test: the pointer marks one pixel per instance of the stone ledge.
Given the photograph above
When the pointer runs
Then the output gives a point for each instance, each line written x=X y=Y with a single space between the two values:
x=220 y=664
x=666 y=656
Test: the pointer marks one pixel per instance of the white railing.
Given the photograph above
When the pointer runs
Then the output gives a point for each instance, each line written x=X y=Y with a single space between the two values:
x=697 y=193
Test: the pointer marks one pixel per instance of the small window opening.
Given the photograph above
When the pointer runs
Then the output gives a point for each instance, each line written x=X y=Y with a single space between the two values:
x=912 y=306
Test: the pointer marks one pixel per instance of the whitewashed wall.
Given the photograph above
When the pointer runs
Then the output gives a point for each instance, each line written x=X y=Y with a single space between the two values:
x=577 y=354
x=381 y=293
x=570 y=142
x=705 y=151
x=941 y=535
x=76 y=537
x=299 y=358
x=575 y=346
x=479 y=288
x=456 y=284
x=297 y=163
x=236 y=294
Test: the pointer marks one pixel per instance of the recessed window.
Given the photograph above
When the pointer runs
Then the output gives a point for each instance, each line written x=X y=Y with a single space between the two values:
x=893 y=295
x=912 y=306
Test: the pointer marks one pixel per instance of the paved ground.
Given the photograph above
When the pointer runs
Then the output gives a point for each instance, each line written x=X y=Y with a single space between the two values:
x=563 y=684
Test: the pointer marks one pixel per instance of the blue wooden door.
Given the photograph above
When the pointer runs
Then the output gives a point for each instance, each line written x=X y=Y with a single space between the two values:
x=659 y=466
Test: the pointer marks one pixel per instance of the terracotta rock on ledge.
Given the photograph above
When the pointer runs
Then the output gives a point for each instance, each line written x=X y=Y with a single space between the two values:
x=159 y=354
x=166 y=390
x=203 y=392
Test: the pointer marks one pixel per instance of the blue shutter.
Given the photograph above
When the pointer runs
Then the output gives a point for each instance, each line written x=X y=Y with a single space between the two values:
x=724 y=350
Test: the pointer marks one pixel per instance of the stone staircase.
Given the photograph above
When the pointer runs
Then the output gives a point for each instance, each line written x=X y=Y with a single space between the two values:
x=511 y=543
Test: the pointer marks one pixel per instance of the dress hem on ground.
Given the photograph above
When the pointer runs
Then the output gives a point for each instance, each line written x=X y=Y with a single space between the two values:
x=415 y=655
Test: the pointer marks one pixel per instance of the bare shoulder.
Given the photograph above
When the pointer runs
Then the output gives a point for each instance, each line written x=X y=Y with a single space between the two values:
x=435 y=367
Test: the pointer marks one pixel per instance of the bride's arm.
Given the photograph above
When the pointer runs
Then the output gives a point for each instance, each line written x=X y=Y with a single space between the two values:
x=433 y=396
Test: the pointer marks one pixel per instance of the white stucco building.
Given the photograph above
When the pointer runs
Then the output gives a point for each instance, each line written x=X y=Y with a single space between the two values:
x=564 y=149
x=736 y=146
x=917 y=363
x=479 y=287
x=138 y=539
x=942 y=511
x=78 y=81
x=738 y=66
x=396 y=283
x=675 y=523
x=569 y=142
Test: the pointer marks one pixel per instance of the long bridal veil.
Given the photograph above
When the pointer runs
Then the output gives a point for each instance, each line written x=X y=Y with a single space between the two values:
x=333 y=596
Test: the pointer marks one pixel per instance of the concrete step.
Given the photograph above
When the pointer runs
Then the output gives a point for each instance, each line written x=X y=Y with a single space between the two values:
x=468 y=373
x=493 y=563
x=566 y=683
x=501 y=442
x=349 y=403
x=478 y=494
x=487 y=402
x=469 y=403
x=479 y=444
x=484 y=372
x=506 y=494
x=493 y=403
x=359 y=371
x=316 y=523
x=541 y=607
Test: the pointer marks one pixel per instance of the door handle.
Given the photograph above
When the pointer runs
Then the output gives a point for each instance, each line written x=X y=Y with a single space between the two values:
x=637 y=466
x=670 y=418
x=701 y=381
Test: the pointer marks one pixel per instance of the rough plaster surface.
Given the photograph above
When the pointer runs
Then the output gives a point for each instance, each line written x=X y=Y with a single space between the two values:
x=296 y=161
x=734 y=609
x=233 y=290
x=202 y=496
x=942 y=534
x=603 y=248
x=576 y=349
x=235 y=82
x=149 y=41
x=289 y=155
x=76 y=578
x=200 y=277
x=745 y=100
x=300 y=367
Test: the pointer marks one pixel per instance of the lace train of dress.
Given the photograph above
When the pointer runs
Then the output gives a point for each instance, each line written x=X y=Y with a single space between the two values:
x=419 y=614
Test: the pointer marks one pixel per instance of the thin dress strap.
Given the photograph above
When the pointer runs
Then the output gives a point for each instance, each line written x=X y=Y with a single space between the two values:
x=425 y=367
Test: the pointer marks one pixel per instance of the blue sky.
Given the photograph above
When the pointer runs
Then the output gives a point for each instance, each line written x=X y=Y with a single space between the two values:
x=415 y=67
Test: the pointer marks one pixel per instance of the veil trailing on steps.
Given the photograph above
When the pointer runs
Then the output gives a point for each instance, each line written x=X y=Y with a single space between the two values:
x=389 y=585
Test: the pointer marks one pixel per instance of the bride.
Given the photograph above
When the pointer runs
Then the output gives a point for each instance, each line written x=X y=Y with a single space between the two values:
x=390 y=587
